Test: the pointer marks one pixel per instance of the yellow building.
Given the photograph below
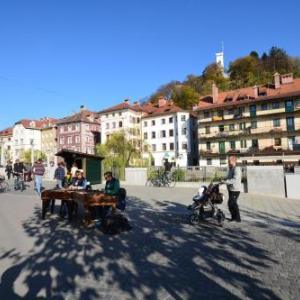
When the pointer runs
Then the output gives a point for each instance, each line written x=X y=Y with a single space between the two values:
x=260 y=124
x=49 y=140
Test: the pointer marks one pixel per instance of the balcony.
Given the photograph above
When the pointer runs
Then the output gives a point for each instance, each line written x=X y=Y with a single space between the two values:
x=217 y=118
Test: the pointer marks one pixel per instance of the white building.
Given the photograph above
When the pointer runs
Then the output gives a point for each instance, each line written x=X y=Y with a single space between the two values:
x=169 y=133
x=27 y=136
x=5 y=146
x=123 y=116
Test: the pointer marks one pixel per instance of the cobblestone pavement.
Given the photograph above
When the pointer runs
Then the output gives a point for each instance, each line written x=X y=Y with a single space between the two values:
x=162 y=257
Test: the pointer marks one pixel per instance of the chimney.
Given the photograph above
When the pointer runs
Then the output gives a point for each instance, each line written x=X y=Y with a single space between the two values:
x=126 y=101
x=162 y=102
x=136 y=103
x=195 y=107
x=276 y=80
x=287 y=78
x=215 y=93
x=255 y=91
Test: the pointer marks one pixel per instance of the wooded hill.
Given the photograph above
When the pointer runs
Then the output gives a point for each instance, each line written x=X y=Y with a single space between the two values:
x=245 y=71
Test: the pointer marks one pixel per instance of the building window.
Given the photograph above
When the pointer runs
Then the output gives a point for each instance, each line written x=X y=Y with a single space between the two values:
x=223 y=161
x=70 y=128
x=77 y=139
x=231 y=127
x=242 y=126
x=120 y=113
x=69 y=140
x=243 y=144
x=65 y=128
x=171 y=146
x=290 y=123
x=107 y=125
x=207 y=129
x=77 y=127
x=153 y=122
x=277 y=142
x=61 y=129
x=208 y=146
x=114 y=125
x=220 y=113
x=183 y=131
x=183 y=118
x=120 y=124
x=153 y=147
x=171 y=120
x=232 y=145
x=276 y=122
x=163 y=121
x=206 y=114
x=153 y=134
x=208 y=161
x=145 y=135
x=184 y=146
x=164 y=147
x=87 y=139
x=163 y=134
x=253 y=124
x=275 y=105
x=61 y=140
x=171 y=132
x=264 y=106
x=230 y=111
x=145 y=124
x=221 y=128
x=255 y=144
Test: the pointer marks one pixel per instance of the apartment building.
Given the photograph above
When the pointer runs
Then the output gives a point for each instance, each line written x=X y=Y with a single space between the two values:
x=27 y=135
x=49 y=145
x=123 y=116
x=260 y=124
x=169 y=133
x=6 y=142
x=79 y=132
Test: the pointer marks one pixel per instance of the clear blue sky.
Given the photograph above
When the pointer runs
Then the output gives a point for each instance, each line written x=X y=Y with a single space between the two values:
x=58 y=54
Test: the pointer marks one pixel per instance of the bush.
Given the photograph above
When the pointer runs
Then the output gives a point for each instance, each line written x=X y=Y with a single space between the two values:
x=179 y=175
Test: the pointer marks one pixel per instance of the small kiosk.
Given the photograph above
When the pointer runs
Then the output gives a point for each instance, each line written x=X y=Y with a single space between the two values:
x=91 y=164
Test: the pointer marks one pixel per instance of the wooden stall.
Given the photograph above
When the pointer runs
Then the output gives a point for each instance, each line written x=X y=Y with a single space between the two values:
x=89 y=163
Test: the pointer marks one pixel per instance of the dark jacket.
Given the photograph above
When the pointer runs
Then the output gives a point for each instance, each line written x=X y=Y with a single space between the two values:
x=112 y=187
x=59 y=173
x=19 y=168
x=8 y=169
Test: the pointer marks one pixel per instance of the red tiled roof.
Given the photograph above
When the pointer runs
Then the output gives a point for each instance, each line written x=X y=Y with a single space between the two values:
x=153 y=110
x=6 y=131
x=82 y=116
x=122 y=106
x=232 y=97
x=37 y=124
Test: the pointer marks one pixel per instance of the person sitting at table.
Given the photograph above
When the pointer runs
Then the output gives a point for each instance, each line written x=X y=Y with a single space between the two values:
x=78 y=182
x=112 y=186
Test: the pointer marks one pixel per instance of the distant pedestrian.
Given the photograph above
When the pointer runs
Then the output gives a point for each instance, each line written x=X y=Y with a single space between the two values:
x=9 y=169
x=234 y=184
x=38 y=170
x=59 y=175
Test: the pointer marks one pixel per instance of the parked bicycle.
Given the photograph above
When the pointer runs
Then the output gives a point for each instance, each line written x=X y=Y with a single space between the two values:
x=4 y=185
x=165 y=179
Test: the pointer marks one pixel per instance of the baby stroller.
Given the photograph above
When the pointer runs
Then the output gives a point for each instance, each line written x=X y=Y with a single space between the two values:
x=206 y=205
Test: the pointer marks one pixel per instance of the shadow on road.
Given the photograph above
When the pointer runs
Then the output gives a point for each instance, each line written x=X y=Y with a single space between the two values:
x=159 y=257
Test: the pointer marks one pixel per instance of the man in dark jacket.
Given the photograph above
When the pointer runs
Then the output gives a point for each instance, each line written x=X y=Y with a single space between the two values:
x=9 y=169
x=59 y=175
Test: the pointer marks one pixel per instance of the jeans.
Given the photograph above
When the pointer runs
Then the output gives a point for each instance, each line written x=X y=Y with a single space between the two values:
x=233 y=206
x=38 y=183
x=59 y=183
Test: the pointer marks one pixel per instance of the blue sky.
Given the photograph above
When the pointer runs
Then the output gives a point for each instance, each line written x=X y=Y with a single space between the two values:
x=58 y=54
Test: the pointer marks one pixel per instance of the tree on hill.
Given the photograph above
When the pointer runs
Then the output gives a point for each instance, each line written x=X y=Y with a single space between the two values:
x=185 y=96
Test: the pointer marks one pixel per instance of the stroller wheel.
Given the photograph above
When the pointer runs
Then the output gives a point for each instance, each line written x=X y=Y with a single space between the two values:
x=194 y=219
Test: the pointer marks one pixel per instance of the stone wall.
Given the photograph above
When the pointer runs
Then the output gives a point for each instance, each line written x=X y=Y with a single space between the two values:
x=268 y=180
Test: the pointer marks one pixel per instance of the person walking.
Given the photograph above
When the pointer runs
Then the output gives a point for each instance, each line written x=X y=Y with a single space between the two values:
x=9 y=169
x=234 y=184
x=59 y=175
x=38 y=172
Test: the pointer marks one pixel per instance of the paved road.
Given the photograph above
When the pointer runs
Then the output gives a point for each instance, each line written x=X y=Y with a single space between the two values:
x=162 y=257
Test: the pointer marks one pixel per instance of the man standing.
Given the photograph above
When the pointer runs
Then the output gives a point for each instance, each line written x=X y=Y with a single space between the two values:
x=234 y=184
x=59 y=175
x=38 y=172
x=9 y=169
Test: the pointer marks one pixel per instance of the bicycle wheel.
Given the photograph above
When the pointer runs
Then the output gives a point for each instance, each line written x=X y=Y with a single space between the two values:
x=172 y=183
x=4 y=186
